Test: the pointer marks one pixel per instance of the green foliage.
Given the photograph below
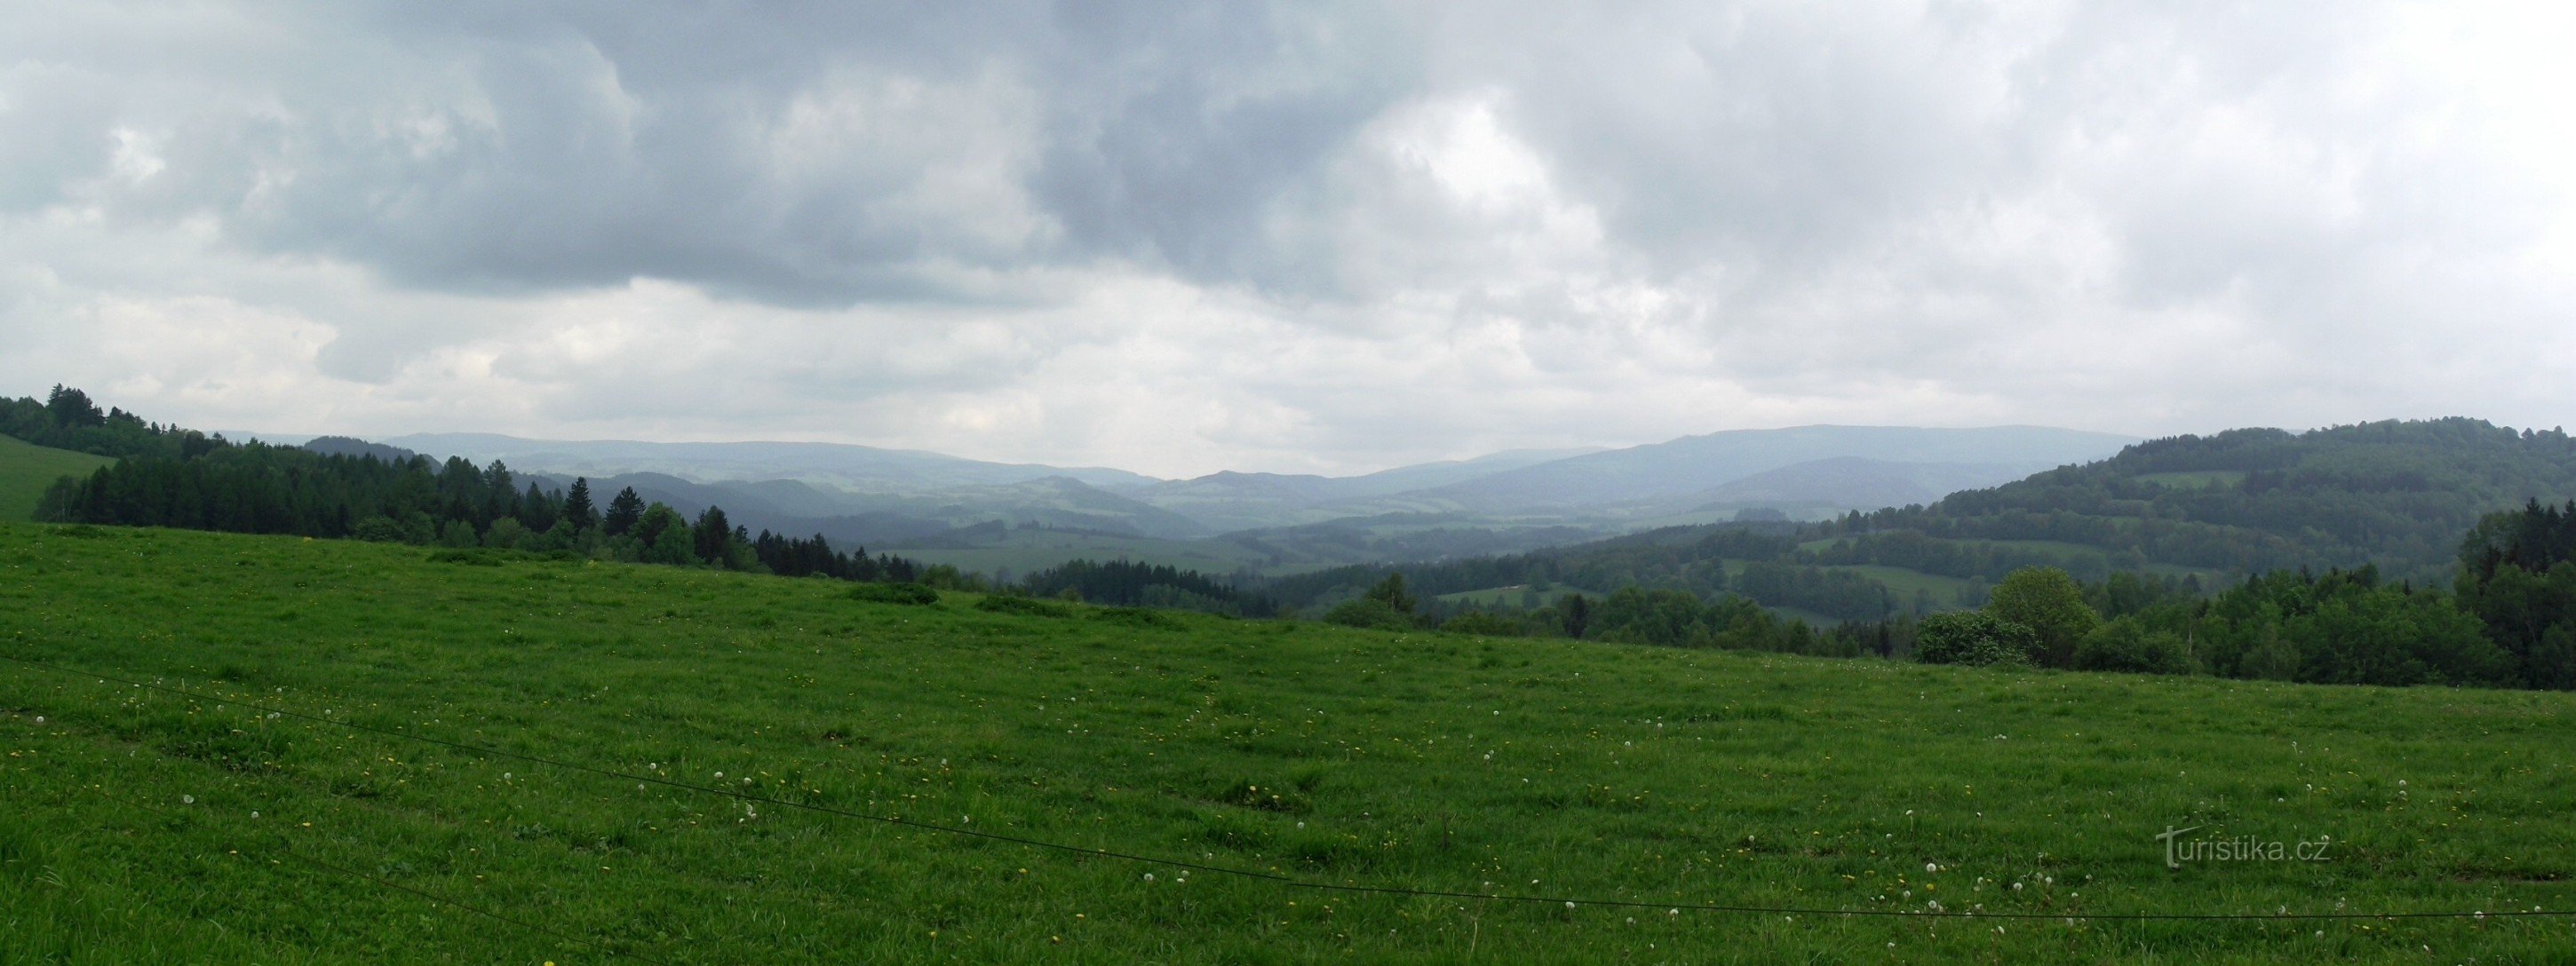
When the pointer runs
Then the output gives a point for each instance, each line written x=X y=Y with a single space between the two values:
x=2347 y=627
x=2051 y=604
x=1128 y=583
x=911 y=595
x=2518 y=575
x=1974 y=638
x=1391 y=592
x=2126 y=645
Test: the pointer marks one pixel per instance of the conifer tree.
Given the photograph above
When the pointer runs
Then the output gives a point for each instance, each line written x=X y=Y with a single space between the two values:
x=577 y=506
x=622 y=512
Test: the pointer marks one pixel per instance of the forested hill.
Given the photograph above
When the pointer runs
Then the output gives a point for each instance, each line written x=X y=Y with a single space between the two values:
x=2397 y=494
x=2196 y=512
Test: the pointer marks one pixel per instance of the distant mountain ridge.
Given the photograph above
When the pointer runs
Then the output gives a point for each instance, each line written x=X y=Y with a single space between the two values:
x=1693 y=464
x=856 y=467
x=1505 y=499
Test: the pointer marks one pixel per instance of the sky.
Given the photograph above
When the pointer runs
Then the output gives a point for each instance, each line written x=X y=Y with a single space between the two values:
x=1309 y=237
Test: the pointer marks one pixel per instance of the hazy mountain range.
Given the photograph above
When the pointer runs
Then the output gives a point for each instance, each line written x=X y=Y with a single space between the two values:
x=896 y=498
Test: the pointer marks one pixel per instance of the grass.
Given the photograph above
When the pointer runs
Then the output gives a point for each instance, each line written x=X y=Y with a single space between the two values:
x=138 y=826
x=26 y=470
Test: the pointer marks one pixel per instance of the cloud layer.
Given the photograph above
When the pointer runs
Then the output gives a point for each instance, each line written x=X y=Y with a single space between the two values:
x=1306 y=237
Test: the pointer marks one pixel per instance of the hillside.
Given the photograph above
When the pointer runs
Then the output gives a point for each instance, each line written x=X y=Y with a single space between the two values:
x=137 y=824
x=2399 y=494
x=26 y=470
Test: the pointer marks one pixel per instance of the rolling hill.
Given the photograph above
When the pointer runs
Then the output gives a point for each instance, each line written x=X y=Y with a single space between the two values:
x=2398 y=494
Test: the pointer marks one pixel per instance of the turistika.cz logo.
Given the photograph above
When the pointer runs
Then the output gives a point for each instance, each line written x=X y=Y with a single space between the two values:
x=2238 y=848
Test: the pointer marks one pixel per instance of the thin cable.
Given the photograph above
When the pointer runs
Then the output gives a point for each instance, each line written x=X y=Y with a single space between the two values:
x=289 y=851
x=1272 y=876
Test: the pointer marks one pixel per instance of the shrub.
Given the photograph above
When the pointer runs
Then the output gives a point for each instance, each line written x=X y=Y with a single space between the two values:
x=1033 y=607
x=911 y=595
x=1369 y=612
x=2051 y=604
x=1970 y=637
x=2123 y=645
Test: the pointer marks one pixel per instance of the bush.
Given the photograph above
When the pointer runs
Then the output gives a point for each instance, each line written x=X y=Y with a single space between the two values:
x=1969 y=637
x=379 y=530
x=1369 y=612
x=1033 y=607
x=2051 y=604
x=2124 y=646
x=910 y=595
x=1136 y=616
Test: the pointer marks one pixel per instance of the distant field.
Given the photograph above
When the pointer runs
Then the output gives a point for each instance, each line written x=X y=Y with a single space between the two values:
x=141 y=826
x=26 y=470
x=1904 y=582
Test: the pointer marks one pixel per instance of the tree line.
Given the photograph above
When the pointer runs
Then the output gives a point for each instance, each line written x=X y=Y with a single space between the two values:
x=170 y=477
x=2509 y=620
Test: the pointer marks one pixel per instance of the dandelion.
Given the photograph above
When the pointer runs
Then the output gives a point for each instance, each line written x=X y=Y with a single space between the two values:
x=1569 y=903
x=1149 y=877
x=187 y=799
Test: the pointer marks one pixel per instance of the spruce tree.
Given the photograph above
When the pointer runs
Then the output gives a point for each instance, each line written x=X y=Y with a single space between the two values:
x=622 y=512
x=577 y=506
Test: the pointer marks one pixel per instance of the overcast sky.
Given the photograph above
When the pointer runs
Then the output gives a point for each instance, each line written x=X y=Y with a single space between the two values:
x=1315 y=237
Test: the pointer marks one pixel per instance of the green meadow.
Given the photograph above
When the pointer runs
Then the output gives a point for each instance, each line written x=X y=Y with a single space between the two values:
x=26 y=470
x=141 y=825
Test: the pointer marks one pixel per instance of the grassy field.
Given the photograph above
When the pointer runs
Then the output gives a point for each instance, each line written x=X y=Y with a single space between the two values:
x=137 y=825
x=27 y=469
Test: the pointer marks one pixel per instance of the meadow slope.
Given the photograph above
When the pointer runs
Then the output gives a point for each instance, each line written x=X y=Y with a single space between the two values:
x=141 y=826
x=27 y=470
